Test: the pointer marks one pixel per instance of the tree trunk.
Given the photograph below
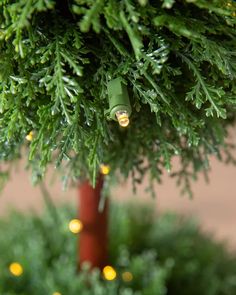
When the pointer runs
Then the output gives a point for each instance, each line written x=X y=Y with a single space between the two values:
x=93 y=239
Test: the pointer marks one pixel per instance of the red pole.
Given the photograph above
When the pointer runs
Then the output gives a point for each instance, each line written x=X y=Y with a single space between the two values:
x=93 y=239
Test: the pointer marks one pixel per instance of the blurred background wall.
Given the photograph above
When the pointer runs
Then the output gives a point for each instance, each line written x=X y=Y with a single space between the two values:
x=214 y=204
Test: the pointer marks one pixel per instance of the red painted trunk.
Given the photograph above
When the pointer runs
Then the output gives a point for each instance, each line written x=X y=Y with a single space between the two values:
x=93 y=241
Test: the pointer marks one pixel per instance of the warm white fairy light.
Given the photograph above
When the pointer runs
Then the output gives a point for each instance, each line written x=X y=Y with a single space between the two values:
x=75 y=226
x=105 y=169
x=123 y=118
x=16 y=269
x=109 y=273
x=127 y=276
x=30 y=136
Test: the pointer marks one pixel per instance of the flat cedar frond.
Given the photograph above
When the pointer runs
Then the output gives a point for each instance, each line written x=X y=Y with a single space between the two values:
x=177 y=59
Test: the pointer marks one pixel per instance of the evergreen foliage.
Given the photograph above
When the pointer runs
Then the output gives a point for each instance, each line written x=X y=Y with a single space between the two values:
x=177 y=58
x=191 y=265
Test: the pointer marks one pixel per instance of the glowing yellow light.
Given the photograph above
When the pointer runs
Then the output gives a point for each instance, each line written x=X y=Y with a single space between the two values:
x=30 y=136
x=56 y=293
x=123 y=118
x=127 y=276
x=16 y=269
x=105 y=169
x=109 y=273
x=75 y=226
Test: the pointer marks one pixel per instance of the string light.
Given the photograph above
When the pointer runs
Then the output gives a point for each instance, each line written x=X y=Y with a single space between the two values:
x=105 y=169
x=123 y=118
x=119 y=102
x=127 y=276
x=75 y=226
x=16 y=269
x=109 y=273
x=30 y=136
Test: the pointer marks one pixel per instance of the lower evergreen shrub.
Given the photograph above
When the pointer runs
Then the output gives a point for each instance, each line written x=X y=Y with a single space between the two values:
x=166 y=255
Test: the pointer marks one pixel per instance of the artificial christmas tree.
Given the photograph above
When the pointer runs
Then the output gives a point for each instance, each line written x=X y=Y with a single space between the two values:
x=169 y=66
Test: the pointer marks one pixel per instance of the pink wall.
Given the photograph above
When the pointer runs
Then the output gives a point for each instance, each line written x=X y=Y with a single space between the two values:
x=214 y=204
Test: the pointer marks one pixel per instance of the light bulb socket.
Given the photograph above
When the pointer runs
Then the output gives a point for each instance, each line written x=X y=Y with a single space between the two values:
x=118 y=99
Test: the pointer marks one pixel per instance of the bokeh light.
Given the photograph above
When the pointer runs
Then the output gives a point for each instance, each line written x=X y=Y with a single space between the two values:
x=105 y=169
x=127 y=276
x=109 y=273
x=75 y=226
x=16 y=269
x=30 y=136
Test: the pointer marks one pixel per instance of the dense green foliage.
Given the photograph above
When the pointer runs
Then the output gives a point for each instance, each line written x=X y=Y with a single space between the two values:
x=166 y=255
x=177 y=58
